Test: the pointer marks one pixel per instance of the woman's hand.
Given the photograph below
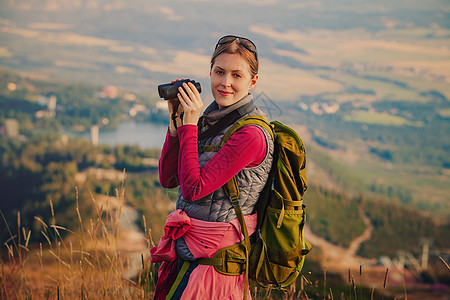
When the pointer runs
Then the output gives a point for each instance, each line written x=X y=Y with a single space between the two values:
x=192 y=103
x=175 y=110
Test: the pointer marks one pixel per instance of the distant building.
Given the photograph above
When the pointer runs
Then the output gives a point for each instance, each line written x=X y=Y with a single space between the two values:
x=303 y=106
x=110 y=92
x=162 y=105
x=129 y=97
x=137 y=108
x=12 y=127
x=11 y=86
x=315 y=108
x=44 y=114
x=51 y=105
x=321 y=108
x=330 y=108
x=50 y=102
x=94 y=135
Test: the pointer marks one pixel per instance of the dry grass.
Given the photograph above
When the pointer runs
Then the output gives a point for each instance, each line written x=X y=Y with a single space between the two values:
x=90 y=264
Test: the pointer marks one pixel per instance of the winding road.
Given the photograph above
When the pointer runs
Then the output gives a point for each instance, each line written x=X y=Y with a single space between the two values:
x=339 y=259
x=131 y=240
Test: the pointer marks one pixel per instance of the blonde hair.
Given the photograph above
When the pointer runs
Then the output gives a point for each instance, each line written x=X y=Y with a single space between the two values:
x=236 y=47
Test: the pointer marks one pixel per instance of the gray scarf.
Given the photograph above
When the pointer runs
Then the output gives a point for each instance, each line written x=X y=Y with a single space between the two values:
x=213 y=113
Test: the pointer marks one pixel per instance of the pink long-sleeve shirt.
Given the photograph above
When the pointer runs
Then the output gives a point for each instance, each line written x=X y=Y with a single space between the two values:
x=179 y=164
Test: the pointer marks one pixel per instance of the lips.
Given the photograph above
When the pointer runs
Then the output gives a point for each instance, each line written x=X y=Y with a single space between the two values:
x=224 y=93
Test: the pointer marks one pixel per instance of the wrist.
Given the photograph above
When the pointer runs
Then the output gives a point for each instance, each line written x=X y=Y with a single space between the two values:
x=190 y=119
x=172 y=127
x=172 y=131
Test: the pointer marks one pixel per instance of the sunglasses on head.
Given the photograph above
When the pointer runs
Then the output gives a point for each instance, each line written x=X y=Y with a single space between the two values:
x=249 y=45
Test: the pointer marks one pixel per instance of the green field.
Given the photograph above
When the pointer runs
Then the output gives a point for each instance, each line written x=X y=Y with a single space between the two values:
x=366 y=117
x=445 y=113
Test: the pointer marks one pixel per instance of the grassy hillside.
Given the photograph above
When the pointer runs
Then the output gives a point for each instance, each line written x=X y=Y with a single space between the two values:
x=50 y=173
x=405 y=162
x=336 y=217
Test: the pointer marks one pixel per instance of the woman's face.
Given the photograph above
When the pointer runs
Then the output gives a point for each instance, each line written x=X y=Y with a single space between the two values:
x=231 y=79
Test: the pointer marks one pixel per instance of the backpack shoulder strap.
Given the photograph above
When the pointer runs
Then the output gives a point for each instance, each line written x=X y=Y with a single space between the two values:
x=231 y=188
x=250 y=120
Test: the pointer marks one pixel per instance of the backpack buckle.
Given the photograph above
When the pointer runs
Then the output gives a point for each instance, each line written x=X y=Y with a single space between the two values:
x=234 y=200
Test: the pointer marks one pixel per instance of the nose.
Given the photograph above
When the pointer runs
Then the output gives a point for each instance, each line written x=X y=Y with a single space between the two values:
x=226 y=82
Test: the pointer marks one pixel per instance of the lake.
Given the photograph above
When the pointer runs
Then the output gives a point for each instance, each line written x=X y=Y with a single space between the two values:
x=145 y=135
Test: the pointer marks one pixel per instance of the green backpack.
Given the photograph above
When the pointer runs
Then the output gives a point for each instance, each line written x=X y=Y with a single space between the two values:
x=273 y=257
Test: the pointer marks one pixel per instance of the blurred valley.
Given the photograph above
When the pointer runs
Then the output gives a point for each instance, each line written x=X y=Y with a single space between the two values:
x=366 y=84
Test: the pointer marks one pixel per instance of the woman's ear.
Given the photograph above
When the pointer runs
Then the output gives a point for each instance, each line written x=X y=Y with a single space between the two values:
x=253 y=81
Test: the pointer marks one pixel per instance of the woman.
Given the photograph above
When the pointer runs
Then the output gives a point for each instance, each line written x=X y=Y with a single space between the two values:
x=205 y=220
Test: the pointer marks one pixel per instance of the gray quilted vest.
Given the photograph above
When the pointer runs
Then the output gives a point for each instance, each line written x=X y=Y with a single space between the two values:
x=216 y=207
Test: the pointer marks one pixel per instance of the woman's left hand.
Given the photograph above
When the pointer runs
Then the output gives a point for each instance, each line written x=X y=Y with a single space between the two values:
x=192 y=103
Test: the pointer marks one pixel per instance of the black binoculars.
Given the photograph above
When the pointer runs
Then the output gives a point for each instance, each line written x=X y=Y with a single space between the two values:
x=170 y=90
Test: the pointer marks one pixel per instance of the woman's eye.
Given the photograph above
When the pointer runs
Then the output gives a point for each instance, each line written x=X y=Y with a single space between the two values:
x=219 y=72
x=237 y=75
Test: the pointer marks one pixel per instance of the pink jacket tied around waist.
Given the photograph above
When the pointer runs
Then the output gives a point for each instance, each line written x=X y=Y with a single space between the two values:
x=204 y=239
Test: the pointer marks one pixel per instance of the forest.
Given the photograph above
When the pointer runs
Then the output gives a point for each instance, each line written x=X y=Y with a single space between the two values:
x=41 y=173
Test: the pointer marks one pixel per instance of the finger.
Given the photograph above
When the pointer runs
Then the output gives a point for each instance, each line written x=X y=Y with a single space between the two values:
x=194 y=94
x=184 y=106
x=182 y=100
x=194 y=89
x=190 y=91
x=184 y=95
x=180 y=108
x=188 y=88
